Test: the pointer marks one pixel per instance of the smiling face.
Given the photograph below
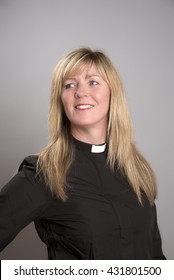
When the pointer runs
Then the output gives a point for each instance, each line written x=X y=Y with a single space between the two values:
x=86 y=99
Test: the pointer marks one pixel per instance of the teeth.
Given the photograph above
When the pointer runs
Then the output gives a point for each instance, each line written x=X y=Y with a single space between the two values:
x=83 y=106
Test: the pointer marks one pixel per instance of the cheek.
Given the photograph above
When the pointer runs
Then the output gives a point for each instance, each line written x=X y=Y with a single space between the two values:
x=65 y=102
x=67 y=105
x=64 y=105
x=106 y=100
x=67 y=99
x=64 y=99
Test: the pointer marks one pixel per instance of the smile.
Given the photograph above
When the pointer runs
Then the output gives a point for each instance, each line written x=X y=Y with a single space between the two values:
x=84 y=106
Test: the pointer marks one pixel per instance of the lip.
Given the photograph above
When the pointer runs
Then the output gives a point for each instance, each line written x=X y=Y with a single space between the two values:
x=83 y=106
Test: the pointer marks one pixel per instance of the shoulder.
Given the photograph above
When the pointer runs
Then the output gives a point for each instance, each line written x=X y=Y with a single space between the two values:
x=25 y=197
x=30 y=162
x=28 y=170
x=27 y=184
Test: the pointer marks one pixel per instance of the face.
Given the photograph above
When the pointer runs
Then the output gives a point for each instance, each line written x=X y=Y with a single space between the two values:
x=86 y=99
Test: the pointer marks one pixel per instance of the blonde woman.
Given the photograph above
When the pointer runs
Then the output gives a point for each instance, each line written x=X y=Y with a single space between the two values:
x=90 y=192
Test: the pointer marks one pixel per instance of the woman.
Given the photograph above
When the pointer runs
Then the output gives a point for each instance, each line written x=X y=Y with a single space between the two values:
x=90 y=192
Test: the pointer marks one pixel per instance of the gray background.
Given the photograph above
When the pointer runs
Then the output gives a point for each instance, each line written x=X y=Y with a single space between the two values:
x=138 y=35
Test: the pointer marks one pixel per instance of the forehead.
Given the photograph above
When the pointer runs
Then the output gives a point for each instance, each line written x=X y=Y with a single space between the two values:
x=85 y=69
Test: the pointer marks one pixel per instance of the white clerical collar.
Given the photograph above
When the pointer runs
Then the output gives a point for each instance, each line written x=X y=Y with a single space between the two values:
x=98 y=148
x=90 y=148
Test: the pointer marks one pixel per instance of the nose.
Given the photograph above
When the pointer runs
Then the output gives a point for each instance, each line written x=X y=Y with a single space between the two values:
x=81 y=91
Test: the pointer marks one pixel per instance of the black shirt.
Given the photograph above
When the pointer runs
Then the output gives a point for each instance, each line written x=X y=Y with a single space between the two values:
x=102 y=218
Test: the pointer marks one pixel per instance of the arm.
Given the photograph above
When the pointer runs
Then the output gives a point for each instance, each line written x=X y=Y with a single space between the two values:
x=22 y=200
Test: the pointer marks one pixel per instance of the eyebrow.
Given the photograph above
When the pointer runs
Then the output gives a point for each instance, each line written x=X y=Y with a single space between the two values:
x=92 y=75
x=70 y=78
x=87 y=76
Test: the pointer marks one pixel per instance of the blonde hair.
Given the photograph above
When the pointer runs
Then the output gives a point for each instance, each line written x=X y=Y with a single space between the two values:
x=55 y=160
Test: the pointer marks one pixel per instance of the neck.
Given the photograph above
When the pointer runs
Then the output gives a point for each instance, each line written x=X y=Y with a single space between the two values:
x=89 y=136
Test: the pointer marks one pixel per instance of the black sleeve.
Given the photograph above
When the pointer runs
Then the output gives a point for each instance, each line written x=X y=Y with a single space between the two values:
x=23 y=199
x=157 y=244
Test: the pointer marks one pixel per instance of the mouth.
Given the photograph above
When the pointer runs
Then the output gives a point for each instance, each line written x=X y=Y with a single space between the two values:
x=84 y=106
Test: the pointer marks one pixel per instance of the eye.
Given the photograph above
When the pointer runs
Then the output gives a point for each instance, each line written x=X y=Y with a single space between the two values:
x=69 y=85
x=93 y=83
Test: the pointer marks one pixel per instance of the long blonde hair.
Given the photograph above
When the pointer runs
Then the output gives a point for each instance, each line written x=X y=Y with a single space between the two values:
x=55 y=160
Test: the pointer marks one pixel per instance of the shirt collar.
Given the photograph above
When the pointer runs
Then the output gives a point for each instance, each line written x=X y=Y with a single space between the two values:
x=90 y=148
